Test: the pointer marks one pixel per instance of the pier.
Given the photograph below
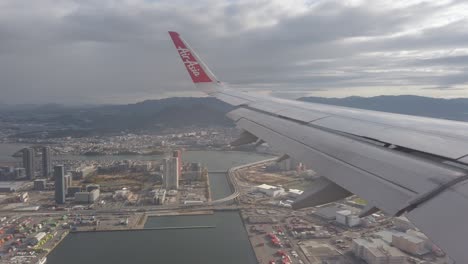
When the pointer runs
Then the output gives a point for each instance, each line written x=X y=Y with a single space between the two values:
x=144 y=229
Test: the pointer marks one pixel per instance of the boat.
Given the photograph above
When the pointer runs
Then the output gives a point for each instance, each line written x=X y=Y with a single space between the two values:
x=42 y=260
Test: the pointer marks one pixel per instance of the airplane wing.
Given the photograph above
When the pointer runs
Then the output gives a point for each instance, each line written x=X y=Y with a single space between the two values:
x=400 y=164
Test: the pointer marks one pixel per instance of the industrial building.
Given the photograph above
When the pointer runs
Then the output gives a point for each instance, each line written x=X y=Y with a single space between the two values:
x=83 y=172
x=346 y=217
x=123 y=194
x=72 y=190
x=171 y=173
x=36 y=238
x=294 y=193
x=270 y=190
x=40 y=184
x=327 y=212
x=410 y=244
x=290 y=164
x=87 y=197
x=60 y=190
x=317 y=252
x=28 y=162
x=91 y=187
x=158 y=196
x=376 y=251
x=46 y=162
x=402 y=223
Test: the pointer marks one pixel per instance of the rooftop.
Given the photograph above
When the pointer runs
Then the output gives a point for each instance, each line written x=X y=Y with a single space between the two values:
x=379 y=248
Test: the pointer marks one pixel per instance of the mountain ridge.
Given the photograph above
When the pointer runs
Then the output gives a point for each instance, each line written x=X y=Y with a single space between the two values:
x=181 y=112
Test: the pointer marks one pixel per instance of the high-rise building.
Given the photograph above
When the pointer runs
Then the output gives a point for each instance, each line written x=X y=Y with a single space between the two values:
x=68 y=181
x=171 y=173
x=46 y=162
x=28 y=162
x=178 y=154
x=59 y=175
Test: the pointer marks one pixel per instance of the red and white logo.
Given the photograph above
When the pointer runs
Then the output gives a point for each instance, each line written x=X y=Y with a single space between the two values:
x=193 y=67
x=186 y=58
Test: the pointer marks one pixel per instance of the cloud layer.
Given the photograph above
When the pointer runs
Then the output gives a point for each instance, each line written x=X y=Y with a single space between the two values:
x=115 y=51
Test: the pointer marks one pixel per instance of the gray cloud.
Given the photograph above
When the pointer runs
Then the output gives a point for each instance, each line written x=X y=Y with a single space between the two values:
x=118 y=51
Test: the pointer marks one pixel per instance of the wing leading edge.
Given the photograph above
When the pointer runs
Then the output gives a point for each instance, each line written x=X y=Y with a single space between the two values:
x=400 y=164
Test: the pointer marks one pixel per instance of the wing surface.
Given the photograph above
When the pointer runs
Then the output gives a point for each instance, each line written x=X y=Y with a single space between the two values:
x=401 y=164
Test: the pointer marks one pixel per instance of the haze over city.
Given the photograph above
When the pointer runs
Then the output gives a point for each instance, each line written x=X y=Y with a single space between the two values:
x=93 y=52
x=333 y=132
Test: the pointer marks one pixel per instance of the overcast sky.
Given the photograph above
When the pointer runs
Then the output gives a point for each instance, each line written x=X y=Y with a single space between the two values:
x=118 y=51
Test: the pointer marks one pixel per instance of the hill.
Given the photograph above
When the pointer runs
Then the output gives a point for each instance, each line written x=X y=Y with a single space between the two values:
x=183 y=112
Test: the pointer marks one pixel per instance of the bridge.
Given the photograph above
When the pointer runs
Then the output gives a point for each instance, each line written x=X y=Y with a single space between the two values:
x=232 y=179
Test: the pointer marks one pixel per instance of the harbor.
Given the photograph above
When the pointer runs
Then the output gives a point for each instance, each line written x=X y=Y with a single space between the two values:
x=227 y=242
x=208 y=233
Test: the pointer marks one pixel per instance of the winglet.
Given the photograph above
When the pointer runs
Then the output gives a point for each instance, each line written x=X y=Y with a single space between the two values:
x=197 y=70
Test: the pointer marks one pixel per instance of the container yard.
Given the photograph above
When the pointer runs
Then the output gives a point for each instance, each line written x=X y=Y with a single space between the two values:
x=28 y=239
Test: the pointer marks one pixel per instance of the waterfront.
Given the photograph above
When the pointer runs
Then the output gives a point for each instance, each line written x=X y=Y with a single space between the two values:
x=226 y=243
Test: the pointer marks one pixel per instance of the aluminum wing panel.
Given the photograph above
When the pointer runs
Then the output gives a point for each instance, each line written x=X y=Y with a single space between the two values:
x=439 y=137
x=351 y=126
x=444 y=220
x=409 y=173
x=440 y=145
x=267 y=107
x=464 y=159
x=430 y=143
x=232 y=100
x=386 y=195
x=446 y=208
x=301 y=115
x=448 y=128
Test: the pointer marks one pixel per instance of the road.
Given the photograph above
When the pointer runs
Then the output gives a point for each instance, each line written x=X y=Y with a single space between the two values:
x=232 y=178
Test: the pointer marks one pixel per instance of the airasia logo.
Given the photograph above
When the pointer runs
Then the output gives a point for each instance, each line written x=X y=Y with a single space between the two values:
x=187 y=59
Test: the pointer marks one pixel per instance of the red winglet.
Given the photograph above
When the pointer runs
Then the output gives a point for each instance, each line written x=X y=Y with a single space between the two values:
x=196 y=71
